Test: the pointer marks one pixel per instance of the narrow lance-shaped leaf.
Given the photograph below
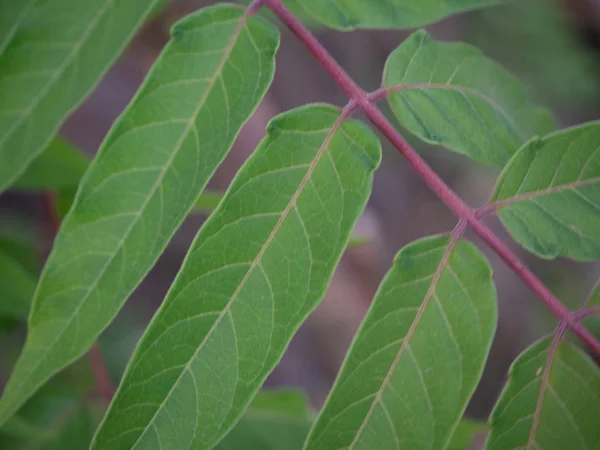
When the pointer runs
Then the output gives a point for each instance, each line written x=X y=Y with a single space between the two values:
x=56 y=57
x=144 y=181
x=548 y=196
x=551 y=401
x=450 y=94
x=259 y=265
x=418 y=354
x=16 y=288
x=12 y=15
x=351 y=14
x=275 y=420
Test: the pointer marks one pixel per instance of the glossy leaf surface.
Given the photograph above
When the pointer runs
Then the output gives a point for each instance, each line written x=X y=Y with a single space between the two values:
x=351 y=14
x=146 y=178
x=551 y=401
x=259 y=265
x=548 y=196
x=54 y=60
x=450 y=94
x=418 y=354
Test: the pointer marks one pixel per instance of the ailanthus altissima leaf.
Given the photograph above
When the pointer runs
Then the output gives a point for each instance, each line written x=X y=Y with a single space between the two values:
x=146 y=178
x=351 y=14
x=275 y=420
x=54 y=60
x=259 y=265
x=450 y=94
x=418 y=354
x=12 y=14
x=548 y=196
x=551 y=401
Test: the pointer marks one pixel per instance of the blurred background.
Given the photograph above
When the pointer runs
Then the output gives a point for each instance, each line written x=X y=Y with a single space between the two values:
x=554 y=46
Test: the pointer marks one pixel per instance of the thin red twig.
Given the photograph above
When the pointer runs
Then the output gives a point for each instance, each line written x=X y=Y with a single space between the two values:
x=427 y=174
x=101 y=377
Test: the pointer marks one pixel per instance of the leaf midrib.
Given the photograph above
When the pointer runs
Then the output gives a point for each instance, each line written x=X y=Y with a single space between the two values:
x=184 y=134
x=429 y=294
x=548 y=191
x=255 y=263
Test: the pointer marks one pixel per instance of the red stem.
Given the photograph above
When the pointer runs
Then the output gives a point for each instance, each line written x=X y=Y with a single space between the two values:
x=103 y=383
x=427 y=174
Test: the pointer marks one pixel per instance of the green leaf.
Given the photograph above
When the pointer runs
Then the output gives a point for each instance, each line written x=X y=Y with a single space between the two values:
x=465 y=434
x=54 y=419
x=551 y=401
x=554 y=60
x=146 y=178
x=277 y=420
x=450 y=94
x=19 y=240
x=418 y=354
x=60 y=166
x=56 y=57
x=352 y=14
x=548 y=196
x=12 y=15
x=208 y=202
x=18 y=428
x=260 y=264
x=16 y=288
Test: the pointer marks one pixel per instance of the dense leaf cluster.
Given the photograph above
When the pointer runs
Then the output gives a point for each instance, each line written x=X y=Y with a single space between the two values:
x=264 y=258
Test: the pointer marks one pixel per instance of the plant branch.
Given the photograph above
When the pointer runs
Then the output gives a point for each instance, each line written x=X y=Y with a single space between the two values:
x=427 y=174
x=101 y=377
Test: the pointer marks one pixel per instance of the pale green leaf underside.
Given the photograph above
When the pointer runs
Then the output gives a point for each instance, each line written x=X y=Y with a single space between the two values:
x=12 y=15
x=146 y=178
x=277 y=420
x=549 y=194
x=54 y=60
x=16 y=288
x=60 y=166
x=351 y=14
x=259 y=265
x=418 y=355
x=566 y=413
x=453 y=95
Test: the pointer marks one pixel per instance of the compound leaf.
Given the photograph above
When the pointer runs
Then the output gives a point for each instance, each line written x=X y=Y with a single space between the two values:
x=450 y=94
x=259 y=265
x=146 y=178
x=548 y=196
x=551 y=401
x=418 y=354
x=352 y=14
